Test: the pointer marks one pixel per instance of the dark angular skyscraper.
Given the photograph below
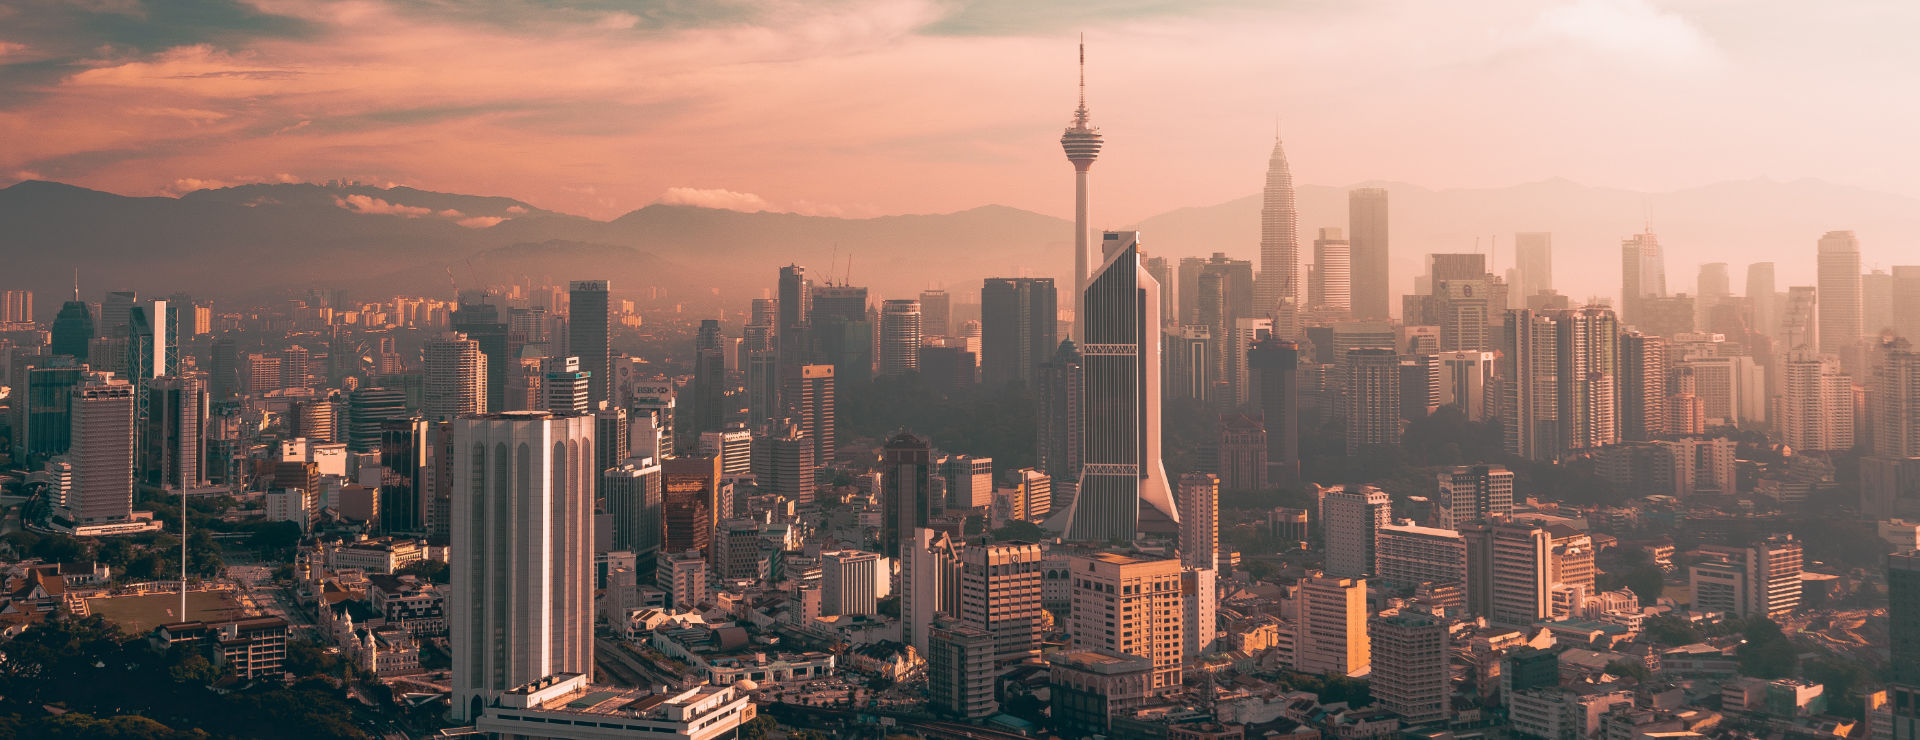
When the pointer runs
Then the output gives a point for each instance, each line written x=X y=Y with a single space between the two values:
x=906 y=499
x=1367 y=237
x=72 y=330
x=589 y=336
x=709 y=383
x=1274 y=365
x=1018 y=326
x=1903 y=615
x=1057 y=422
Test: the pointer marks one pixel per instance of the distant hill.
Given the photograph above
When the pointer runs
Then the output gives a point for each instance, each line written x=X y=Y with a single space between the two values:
x=272 y=239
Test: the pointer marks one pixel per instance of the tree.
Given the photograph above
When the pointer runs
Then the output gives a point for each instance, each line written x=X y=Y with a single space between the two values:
x=1019 y=530
x=275 y=537
x=1671 y=630
x=757 y=728
x=1630 y=669
x=1767 y=653
x=428 y=570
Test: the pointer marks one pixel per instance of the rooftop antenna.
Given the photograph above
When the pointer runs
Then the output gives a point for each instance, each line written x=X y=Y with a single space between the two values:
x=76 y=284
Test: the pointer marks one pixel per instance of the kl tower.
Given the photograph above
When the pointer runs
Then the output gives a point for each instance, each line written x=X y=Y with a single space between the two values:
x=1082 y=144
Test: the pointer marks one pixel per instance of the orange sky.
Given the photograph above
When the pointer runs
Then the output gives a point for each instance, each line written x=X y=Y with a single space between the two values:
x=864 y=108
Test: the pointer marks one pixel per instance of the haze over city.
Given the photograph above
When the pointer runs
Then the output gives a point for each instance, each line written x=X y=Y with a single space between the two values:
x=860 y=370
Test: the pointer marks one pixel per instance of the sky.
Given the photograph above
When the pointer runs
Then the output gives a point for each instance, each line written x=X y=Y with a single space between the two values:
x=863 y=108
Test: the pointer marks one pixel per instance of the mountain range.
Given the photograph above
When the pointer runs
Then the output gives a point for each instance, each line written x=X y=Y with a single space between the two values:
x=256 y=241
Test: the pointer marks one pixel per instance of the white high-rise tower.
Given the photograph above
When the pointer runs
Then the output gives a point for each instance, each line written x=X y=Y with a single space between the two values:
x=1082 y=144
x=1277 y=291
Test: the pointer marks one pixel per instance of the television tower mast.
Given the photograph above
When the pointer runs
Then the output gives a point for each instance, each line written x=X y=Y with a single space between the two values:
x=1082 y=144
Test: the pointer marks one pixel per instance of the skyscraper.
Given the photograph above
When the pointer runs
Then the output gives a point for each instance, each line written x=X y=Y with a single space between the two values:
x=709 y=382
x=1876 y=303
x=1333 y=627
x=1817 y=405
x=936 y=312
x=809 y=393
x=176 y=432
x=906 y=498
x=1278 y=289
x=589 y=318
x=72 y=330
x=1470 y=493
x=568 y=386
x=1367 y=232
x=796 y=317
x=1903 y=617
x=1761 y=292
x=849 y=582
x=1372 y=384
x=1058 y=422
x=1519 y=573
x=1274 y=364
x=1081 y=141
x=1200 y=520
x=114 y=310
x=1533 y=262
x=456 y=378
x=1350 y=516
x=1332 y=287
x=1643 y=386
x=1018 y=327
x=1410 y=666
x=1643 y=274
x=1000 y=593
x=1799 y=323
x=633 y=491
x=1841 y=320
x=1587 y=348
x=481 y=322
x=1530 y=370
x=521 y=603
x=102 y=449
x=1122 y=481
x=899 y=337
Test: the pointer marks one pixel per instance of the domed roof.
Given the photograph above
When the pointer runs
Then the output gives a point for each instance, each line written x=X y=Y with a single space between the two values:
x=746 y=684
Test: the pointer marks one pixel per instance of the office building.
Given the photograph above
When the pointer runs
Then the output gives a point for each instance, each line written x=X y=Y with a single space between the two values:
x=1331 y=288
x=1200 y=604
x=1889 y=485
x=1530 y=371
x=1407 y=555
x=520 y=607
x=1200 y=520
x=906 y=496
x=1764 y=298
x=1471 y=493
x=1018 y=329
x=969 y=481
x=481 y=322
x=42 y=408
x=1903 y=616
x=842 y=332
x=16 y=306
x=1091 y=688
x=1642 y=386
x=1000 y=594
x=936 y=313
x=589 y=318
x=795 y=306
x=1840 y=315
x=809 y=395
x=1058 y=421
x=1350 y=516
x=1122 y=481
x=1333 y=627
x=1274 y=374
x=1035 y=490
x=1373 y=399
x=709 y=383
x=1519 y=574
x=929 y=584
x=1466 y=307
x=787 y=464
x=1129 y=605
x=1587 y=350
x=682 y=576
x=1643 y=274
x=1533 y=263
x=899 y=337
x=176 y=433
x=456 y=378
x=1466 y=378
x=72 y=330
x=734 y=447
x=101 y=452
x=568 y=388
x=1241 y=453
x=1367 y=232
x=1410 y=676
x=849 y=582
x=961 y=670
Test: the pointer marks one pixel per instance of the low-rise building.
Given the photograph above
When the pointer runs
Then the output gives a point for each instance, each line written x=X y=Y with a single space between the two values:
x=566 y=706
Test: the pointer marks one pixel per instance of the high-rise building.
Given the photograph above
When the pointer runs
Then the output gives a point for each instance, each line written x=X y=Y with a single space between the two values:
x=102 y=448
x=1162 y=272
x=1587 y=349
x=842 y=333
x=114 y=312
x=16 y=306
x=969 y=481
x=520 y=607
x=1367 y=230
x=796 y=317
x=1018 y=325
x=481 y=322
x=1465 y=306
x=709 y=382
x=936 y=313
x=1530 y=371
x=1130 y=605
x=1466 y=379
x=900 y=336
x=1643 y=274
x=1275 y=379
x=1122 y=481
x=568 y=386
x=1349 y=518
x=1058 y=421
x=1373 y=399
x=1470 y=493
x=176 y=433
x=42 y=407
x=1081 y=141
x=456 y=378
x=1816 y=409
x=734 y=447
x=633 y=492
x=1757 y=580
x=1764 y=298
x=1876 y=303
x=1642 y=386
x=788 y=465
x=1411 y=675
x=849 y=582
x=906 y=497
x=368 y=410
x=1278 y=290
x=1406 y=555
x=1331 y=289
x=72 y=330
x=1841 y=321
x=1906 y=301
x=1533 y=263
x=589 y=336
x=1200 y=605
x=961 y=669
x=1890 y=474
x=1241 y=459
x=1519 y=573
x=1903 y=617
x=929 y=583
x=1333 y=627
x=1200 y=520
x=809 y=396
x=1000 y=593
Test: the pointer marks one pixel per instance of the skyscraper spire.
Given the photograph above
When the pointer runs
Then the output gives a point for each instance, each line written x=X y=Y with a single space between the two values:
x=1276 y=292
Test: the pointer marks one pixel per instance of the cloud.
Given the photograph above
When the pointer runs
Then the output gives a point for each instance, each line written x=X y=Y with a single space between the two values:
x=1626 y=30
x=480 y=222
x=369 y=204
x=516 y=210
x=617 y=21
x=190 y=184
x=714 y=198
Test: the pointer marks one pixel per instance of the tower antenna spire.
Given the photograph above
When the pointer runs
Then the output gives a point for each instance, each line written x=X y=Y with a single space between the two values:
x=1083 y=72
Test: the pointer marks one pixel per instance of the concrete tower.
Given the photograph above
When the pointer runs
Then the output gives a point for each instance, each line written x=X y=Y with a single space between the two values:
x=1082 y=144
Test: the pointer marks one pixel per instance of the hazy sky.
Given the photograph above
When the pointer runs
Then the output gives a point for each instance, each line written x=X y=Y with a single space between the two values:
x=865 y=108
